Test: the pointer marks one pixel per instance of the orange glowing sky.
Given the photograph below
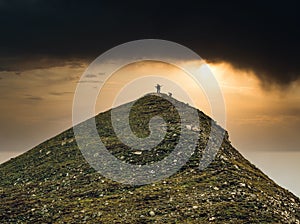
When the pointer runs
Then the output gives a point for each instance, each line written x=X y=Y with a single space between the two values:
x=263 y=124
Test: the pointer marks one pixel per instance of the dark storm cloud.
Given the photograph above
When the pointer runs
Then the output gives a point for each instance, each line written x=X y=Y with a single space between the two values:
x=28 y=62
x=258 y=35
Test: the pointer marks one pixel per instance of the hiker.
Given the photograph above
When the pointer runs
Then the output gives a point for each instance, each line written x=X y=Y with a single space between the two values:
x=170 y=94
x=158 y=88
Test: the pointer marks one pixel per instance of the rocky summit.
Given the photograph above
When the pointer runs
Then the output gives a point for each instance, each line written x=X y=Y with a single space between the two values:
x=53 y=183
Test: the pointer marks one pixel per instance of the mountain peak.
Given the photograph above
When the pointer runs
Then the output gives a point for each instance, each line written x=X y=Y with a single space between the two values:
x=53 y=182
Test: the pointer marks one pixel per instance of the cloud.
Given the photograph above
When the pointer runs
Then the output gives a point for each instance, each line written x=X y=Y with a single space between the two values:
x=34 y=98
x=90 y=81
x=60 y=93
x=260 y=36
x=94 y=75
x=19 y=64
x=90 y=76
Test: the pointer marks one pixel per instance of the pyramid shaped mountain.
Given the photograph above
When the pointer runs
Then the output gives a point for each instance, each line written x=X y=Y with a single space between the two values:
x=53 y=183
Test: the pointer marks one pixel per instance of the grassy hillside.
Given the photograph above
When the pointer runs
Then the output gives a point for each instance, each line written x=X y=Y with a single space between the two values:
x=53 y=183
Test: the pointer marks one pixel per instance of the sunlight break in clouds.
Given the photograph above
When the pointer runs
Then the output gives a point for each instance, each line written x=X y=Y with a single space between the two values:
x=258 y=119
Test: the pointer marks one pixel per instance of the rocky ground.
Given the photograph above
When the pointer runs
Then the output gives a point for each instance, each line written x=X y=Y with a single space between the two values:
x=53 y=183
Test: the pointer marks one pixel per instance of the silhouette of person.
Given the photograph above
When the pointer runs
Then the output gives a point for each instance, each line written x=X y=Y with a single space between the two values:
x=158 y=87
x=170 y=94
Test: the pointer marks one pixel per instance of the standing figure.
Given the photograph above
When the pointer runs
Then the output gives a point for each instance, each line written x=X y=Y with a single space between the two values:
x=158 y=87
x=170 y=94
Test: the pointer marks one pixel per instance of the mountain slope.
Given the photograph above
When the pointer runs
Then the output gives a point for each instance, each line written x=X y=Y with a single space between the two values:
x=53 y=182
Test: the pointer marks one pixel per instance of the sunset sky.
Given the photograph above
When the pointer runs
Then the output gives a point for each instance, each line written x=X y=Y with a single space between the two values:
x=253 y=51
